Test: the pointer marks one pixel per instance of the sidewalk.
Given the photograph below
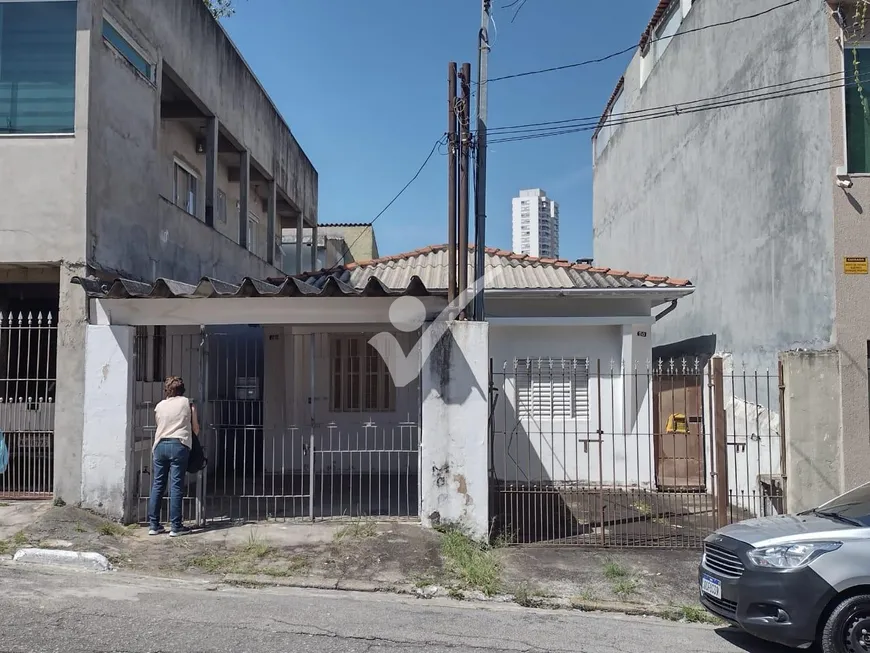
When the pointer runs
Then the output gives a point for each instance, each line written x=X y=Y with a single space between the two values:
x=396 y=557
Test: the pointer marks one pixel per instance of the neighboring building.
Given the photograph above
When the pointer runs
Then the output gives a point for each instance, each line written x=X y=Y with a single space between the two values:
x=137 y=142
x=337 y=243
x=762 y=203
x=535 y=224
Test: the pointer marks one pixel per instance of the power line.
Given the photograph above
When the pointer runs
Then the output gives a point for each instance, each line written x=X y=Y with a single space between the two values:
x=599 y=118
x=389 y=204
x=572 y=129
x=634 y=46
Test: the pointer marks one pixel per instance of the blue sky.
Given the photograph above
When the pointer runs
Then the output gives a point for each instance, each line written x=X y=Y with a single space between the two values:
x=362 y=84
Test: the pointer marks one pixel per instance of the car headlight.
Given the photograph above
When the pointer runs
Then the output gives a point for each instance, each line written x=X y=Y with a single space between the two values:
x=790 y=556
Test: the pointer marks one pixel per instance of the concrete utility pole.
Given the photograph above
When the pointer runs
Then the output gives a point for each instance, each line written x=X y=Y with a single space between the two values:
x=451 y=180
x=478 y=310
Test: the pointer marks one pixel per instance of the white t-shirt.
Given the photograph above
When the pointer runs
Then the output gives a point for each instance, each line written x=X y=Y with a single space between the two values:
x=174 y=421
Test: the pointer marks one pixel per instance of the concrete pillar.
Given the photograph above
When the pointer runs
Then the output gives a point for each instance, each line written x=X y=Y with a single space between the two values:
x=454 y=447
x=299 y=234
x=72 y=321
x=107 y=408
x=813 y=435
x=270 y=222
x=244 y=194
x=211 y=165
x=274 y=398
x=636 y=398
x=314 y=248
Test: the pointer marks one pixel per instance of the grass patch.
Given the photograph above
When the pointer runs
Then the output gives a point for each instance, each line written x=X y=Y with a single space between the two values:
x=624 y=587
x=59 y=503
x=524 y=595
x=474 y=564
x=15 y=542
x=80 y=529
x=614 y=570
x=4 y=504
x=695 y=615
x=111 y=529
x=255 y=557
x=358 y=530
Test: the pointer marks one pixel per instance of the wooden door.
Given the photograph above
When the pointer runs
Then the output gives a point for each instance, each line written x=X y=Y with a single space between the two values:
x=678 y=423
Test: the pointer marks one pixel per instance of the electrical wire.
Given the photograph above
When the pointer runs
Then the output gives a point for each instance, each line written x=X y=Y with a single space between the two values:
x=599 y=118
x=572 y=129
x=634 y=47
x=435 y=147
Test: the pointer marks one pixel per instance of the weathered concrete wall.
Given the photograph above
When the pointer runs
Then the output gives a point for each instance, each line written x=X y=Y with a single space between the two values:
x=812 y=428
x=851 y=238
x=737 y=199
x=454 y=483
x=108 y=404
x=195 y=46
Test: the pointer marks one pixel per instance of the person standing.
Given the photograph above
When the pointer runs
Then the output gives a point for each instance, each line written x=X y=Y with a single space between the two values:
x=177 y=423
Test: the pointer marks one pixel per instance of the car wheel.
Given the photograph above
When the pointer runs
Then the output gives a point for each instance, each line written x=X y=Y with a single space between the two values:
x=847 y=630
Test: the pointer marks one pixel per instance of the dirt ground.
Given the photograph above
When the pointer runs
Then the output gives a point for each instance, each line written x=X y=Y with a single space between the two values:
x=401 y=557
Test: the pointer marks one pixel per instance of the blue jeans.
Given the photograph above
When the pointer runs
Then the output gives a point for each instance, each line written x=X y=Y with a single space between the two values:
x=169 y=463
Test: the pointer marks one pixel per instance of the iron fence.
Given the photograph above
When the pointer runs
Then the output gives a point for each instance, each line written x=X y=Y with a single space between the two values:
x=606 y=454
x=296 y=426
x=28 y=360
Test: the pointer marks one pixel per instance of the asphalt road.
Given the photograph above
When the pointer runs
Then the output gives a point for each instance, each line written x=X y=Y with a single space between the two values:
x=72 y=612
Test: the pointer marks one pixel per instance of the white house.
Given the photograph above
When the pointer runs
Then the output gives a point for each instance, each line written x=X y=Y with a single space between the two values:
x=303 y=419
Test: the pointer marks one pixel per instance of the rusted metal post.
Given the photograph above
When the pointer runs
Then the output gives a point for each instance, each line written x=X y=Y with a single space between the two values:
x=451 y=181
x=720 y=443
x=782 y=439
x=464 y=177
x=601 y=459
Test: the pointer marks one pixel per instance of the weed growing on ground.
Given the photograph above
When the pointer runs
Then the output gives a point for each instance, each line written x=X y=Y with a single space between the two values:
x=613 y=570
x=358 y=530
x=624 y=587
x=3 y=504
x=59 y=503
x=694 y=614
x=473 y=563
x=16 y=541
x=111 y=529
x=255 y=557
x=524 y=595
x=80 y=529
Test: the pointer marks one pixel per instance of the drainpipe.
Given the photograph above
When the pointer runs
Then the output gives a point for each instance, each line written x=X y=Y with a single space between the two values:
x=669 y=309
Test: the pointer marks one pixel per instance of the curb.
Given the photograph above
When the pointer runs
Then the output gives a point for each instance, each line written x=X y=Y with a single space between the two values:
x=59 y=558
x=668 y=613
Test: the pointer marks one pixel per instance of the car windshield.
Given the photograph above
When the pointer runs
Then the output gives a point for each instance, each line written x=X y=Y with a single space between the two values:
x=854 y=506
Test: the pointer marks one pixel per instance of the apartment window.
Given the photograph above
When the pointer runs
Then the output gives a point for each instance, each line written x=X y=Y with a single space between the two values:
x=857 y=119
x=361 y=381
x=552 y=389
x=666 y=29
x=37 y=67
x=221 y=207
x=186 y=183
x=150 y=354
x=124 y=46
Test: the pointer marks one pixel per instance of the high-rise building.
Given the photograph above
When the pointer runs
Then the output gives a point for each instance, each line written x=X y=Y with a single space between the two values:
x=535 y=224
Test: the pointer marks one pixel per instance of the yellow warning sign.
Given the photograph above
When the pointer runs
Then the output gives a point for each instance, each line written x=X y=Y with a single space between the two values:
x=855 y=265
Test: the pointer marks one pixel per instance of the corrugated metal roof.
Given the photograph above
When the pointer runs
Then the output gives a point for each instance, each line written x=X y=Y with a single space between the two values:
x=420 y=273
x=333 y=285
x=518 y=272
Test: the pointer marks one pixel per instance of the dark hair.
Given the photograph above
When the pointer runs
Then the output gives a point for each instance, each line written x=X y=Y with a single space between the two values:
x=173 y=386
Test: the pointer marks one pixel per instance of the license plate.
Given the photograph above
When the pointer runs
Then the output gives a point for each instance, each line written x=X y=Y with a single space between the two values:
x=711 y=586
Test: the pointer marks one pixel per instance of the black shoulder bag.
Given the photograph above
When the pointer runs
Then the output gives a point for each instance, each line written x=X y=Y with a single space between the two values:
x=197 y=461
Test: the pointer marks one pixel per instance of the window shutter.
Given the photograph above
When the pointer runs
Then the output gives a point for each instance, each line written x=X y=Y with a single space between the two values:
x=552 y=389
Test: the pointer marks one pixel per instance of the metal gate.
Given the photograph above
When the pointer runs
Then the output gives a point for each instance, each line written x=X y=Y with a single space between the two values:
x=601 y=454
x=28 y=363
x=295 y=425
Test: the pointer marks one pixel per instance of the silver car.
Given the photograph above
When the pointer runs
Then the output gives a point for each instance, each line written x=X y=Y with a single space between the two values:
x=795 y=579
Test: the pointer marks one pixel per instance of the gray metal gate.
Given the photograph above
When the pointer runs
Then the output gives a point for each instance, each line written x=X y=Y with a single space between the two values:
x=296 y=426
x=28 y=360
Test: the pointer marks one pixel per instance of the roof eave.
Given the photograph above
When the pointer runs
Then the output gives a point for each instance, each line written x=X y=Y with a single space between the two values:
x=660 y=294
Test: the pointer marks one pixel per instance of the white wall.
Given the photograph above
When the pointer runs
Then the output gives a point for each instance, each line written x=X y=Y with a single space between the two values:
x=527 y=450
x=454 y=481
x=107 y=429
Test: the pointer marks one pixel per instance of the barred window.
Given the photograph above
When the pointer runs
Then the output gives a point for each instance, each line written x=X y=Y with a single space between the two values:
x=361 y=381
